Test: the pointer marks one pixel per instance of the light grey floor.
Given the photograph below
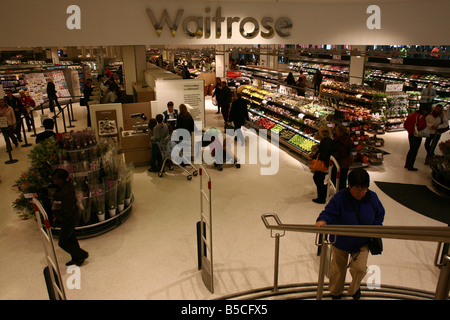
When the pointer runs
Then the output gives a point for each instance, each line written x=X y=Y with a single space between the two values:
x=153 y=255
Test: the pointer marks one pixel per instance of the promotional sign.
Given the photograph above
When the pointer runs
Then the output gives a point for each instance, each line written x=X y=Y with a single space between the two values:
x=189 y=92
x=150 y=22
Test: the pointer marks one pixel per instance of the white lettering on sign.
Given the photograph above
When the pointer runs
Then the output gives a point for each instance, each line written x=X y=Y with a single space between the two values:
x=374 y=21
x=74 y=20
x=200 y=26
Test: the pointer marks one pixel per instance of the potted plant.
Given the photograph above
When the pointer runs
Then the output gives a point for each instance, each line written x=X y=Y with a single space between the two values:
x=111 y=196
x=121 y=189
x=129 y=185
x=97 y=195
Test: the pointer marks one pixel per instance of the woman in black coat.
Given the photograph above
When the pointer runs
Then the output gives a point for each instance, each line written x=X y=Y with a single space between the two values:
x=324 y=152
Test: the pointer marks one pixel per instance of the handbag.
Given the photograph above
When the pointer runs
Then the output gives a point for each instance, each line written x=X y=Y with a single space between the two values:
x=375 y=244
x=318 y=165
x=421 y=133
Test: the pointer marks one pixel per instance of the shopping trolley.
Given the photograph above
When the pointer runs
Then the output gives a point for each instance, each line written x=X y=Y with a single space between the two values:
x=181 y=160
x=218 y=150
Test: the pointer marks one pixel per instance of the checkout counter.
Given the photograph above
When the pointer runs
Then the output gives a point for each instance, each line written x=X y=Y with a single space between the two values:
x=134 y=138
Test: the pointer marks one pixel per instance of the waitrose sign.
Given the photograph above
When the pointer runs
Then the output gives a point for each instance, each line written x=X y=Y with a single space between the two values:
x=204 y=26
x=150 y=22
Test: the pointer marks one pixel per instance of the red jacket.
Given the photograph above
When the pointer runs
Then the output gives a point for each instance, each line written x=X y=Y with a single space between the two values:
x=411 y=121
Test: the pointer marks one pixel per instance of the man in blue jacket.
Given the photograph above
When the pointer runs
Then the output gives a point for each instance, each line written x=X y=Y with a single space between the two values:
x=343 y=209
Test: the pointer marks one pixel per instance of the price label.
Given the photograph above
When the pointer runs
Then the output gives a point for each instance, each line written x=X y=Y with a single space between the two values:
x=379 y=155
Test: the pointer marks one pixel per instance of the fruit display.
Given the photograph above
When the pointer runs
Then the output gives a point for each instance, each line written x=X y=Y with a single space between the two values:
x=277 y=128
x=265 y=123
x=302 y=143
x=287 y=134
x=353 y=114
x=375 y=141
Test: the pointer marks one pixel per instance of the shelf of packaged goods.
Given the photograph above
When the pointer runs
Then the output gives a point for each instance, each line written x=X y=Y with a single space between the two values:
x=266 y=99
x=350 y=97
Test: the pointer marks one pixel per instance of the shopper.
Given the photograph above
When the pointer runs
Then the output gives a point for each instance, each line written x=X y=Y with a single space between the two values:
x=290 y=80
x=342 y=146
x=224 y=100
x=87 y=93
x=8 y=133
x=427 y=96
x=217 y=92
x=52 y=95
x=48 y=133
x=185 y=120
x=28 y=104
x=111 y=96
x=317 y=81
x=436 y=120
x=418 y=117
x=159 y=136
x=19 y=110
x=111 y=82
x=344 y=209
x=301 y=84
x=185 y=73
x=324 y=151
x=170 y=115
x=66 y=212
x=239 y=115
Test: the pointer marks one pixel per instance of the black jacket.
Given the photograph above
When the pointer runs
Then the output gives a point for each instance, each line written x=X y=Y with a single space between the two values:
x=51 y=91
x=166 y=114
x=185 y=122
x=325 y=150
x=68 y=209
x=45 y=135
x=239 y=113
x=225 y=96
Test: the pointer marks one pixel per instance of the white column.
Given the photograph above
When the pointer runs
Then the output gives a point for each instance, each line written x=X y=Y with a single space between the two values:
x=357 y=59
x=222 y=59
x=134 y=65
x=52 y=53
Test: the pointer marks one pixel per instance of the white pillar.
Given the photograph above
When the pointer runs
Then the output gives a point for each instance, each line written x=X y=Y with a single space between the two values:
x=357 y=59
x=222 y=59
x=52 y=53
x=134 y=65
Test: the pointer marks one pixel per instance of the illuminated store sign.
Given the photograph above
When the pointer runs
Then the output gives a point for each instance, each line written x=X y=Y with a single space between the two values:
x=201 y=26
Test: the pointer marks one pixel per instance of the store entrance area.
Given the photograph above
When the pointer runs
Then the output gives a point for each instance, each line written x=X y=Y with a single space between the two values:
x=153 y=254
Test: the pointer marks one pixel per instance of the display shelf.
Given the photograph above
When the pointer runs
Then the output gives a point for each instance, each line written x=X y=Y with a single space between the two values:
x=266 y=112
x=334 y=69
x=101 y=227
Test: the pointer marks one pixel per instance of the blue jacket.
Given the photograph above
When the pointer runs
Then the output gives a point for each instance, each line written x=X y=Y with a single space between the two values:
x=339 y=211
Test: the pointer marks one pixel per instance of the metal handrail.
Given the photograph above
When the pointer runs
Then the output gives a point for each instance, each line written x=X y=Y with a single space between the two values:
x=423 y=233
x=434 y=234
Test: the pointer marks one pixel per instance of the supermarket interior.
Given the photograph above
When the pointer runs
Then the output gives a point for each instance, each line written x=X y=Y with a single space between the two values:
x=197 y=231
